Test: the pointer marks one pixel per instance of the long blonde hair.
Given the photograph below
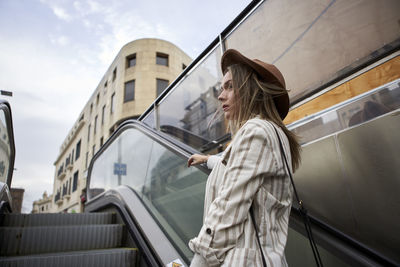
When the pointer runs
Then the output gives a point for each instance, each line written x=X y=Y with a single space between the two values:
x=254 y=97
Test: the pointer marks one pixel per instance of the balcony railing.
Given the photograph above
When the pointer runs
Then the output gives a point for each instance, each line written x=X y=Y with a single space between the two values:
x=61 y=173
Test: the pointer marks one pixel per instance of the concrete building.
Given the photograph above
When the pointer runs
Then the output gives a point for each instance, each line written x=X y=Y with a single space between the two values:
x=140 y=71
x=43 y=205
x=17 y=195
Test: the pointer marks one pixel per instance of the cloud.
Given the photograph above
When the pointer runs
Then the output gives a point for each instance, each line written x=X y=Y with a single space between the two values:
x=60 y=40
x=61 y=13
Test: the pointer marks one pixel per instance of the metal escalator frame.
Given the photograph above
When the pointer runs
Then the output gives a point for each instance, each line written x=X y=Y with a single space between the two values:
x=335 y=241
x=5 y=106
x=113 y=198
x=338 y=77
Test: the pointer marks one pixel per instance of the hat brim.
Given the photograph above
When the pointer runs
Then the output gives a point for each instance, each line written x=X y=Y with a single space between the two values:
x=267 y=72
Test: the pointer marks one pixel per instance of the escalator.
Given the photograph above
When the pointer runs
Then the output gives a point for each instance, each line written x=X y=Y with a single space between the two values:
x=140 y=184
x=162 y=199
x=348 y=179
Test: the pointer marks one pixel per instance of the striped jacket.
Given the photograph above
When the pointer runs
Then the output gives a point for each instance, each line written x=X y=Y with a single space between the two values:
x=251 y=172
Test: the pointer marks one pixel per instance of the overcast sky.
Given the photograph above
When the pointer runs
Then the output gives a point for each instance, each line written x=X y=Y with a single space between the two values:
x=54 y=53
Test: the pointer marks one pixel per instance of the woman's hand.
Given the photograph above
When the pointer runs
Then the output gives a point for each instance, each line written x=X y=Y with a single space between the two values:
x=197 y=159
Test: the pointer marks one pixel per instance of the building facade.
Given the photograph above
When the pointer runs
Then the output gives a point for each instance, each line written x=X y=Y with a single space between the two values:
x=43 y=205
x=139 y=73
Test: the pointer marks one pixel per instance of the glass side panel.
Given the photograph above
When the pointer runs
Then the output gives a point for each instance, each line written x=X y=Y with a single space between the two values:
x=149 y=120
x=349 y=113
x=4 y=148
x=314 y=41
x=187 y=111
x=173 y=193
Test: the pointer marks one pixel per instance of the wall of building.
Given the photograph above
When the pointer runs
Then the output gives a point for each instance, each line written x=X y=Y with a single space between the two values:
x=17 y=195
x=43 y=205
x=107 y=108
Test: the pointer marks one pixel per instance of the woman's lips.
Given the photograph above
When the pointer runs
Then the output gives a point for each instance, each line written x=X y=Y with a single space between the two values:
x=225 y=107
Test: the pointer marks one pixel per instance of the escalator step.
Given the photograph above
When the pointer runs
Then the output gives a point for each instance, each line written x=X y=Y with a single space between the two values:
x=48 y=219
x=31 y=240
x=121 y=257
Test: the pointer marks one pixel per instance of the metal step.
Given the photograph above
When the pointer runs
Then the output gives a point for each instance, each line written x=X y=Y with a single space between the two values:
x=121 y=257
x=52 y=219
x=33 y=240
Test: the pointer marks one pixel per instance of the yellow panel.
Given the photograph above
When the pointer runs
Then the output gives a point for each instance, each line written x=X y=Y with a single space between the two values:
x=365 y=82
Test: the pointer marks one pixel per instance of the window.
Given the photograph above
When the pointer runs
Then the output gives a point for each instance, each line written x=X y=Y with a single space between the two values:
x=91 y=108
x=72 y=158
x=105 y=85
x=114 y=74
x=112 y=103
x=88 y=132
x=129 y=93
x=162 y=59
x=95 y=125
x=161 y=85
x=94 y=150
x=78 y=150
x=131 y=61
x=102 y=114
x=75 y=185
x=97 y=98
x=69 y=188
x=101 y=141
x=184 y=66
x=87 y=158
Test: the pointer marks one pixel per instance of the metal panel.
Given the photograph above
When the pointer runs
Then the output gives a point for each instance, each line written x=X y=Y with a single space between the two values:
x=371 y=159
x=321 y=186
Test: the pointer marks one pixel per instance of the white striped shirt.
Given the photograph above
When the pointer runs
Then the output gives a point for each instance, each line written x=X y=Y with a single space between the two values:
x=251 y=172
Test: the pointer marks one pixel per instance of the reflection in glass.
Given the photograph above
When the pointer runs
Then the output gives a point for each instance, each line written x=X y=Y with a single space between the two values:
x=349 y=113
x=173 y=193
x=188 y=112
x=4 y=148
x=298 y=252
x=314 y=41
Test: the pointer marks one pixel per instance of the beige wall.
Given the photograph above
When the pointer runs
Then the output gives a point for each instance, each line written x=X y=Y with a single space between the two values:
x=43 y=205
x=145 y=74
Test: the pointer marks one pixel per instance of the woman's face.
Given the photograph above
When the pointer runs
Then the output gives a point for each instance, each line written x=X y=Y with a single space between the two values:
x=227 y=96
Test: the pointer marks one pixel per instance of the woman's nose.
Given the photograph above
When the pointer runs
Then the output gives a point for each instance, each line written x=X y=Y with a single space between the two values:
x=221 y=96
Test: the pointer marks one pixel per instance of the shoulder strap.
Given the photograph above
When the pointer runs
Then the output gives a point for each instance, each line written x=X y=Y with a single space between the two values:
x=302 y=209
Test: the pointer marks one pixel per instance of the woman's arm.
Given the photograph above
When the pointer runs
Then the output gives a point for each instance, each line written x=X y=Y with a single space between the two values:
x=250 y=160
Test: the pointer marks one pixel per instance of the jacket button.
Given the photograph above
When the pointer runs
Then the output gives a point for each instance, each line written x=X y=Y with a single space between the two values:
x=208 y=231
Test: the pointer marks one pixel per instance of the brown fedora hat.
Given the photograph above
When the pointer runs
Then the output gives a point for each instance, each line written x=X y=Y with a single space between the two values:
x=266 y=72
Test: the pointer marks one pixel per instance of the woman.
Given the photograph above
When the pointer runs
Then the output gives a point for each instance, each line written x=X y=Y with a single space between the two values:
x=251 y=173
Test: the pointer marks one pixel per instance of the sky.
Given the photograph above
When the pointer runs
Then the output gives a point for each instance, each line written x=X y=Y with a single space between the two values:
x=53 y=54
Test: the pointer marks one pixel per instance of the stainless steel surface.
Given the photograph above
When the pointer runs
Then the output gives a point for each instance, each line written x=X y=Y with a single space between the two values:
x=351 y=180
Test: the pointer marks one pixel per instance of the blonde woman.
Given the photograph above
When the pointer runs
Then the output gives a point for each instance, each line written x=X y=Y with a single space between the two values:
x=251 y=174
